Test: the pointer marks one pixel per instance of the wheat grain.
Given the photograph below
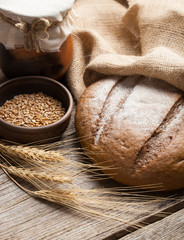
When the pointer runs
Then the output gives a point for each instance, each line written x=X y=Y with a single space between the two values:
x=32 y=110
x=38 y=175
x=122 y=202
x=31 y=153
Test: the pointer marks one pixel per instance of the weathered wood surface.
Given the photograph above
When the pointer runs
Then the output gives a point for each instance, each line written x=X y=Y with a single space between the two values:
x=170 y=228
x=23 y=217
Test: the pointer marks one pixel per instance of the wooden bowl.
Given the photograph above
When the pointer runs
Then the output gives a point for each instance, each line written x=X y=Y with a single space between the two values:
x=35 y=84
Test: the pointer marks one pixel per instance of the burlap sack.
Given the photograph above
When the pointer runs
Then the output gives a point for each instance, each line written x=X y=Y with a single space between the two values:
x=147 y=38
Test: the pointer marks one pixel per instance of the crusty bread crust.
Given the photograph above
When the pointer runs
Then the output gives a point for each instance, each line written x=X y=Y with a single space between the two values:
x=134 y=128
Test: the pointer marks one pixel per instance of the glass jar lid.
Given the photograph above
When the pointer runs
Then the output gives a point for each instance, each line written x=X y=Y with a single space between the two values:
x=35 y=24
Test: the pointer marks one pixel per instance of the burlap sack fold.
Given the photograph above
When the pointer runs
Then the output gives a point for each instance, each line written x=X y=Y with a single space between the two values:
x=147 y=38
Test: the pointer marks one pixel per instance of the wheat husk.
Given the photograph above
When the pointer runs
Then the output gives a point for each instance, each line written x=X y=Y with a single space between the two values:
x=59 y=178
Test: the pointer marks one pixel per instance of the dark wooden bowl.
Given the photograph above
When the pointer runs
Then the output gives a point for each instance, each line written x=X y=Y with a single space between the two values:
x=35 y=84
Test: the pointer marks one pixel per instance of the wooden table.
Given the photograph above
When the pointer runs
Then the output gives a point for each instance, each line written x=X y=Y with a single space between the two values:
x=26 y=218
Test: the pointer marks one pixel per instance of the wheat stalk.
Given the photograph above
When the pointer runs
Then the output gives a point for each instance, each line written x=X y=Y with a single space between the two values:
x=42 y=168
x=31 y=153
x=36 y=157
x=37 y=174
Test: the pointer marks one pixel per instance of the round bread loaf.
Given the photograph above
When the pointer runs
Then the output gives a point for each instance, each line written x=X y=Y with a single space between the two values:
x=134 y=128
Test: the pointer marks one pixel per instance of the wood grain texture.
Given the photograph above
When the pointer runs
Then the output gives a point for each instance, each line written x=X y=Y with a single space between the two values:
x=170 y=228
x=25 y=218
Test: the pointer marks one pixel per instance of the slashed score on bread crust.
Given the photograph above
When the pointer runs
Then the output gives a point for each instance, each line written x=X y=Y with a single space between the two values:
x=134 y=128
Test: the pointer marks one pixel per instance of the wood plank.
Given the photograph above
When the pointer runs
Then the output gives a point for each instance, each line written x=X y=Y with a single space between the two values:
x=22 y=215
x=169 y=228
